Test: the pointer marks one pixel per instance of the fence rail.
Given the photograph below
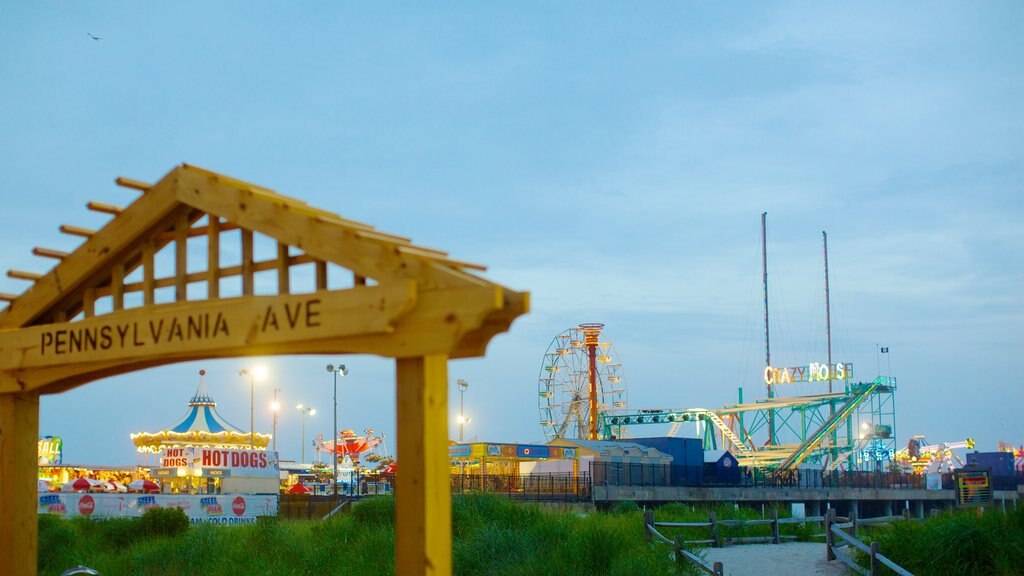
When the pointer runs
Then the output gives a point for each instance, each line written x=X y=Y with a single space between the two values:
x=848 y=541
x=681 y=553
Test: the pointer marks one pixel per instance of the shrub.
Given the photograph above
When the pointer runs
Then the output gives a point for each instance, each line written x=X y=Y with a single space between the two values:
x=119 y=533
x=164 y=522
x=57 y=539
x=627 y=507
x=377 y=511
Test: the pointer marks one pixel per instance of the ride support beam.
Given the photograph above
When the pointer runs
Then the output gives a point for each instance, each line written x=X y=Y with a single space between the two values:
x=423 y=534
x=19 y=435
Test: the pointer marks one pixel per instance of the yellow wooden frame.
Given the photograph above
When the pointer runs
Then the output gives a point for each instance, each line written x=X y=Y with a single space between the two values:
x=406 y=302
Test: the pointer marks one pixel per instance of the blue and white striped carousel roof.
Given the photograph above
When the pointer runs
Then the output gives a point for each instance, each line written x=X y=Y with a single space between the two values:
x=202 y=415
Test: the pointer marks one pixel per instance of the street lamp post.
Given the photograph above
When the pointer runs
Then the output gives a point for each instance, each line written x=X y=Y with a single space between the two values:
x=312 y=412
x=462 y=415
x=334 y=444
x=276 y=406
x=253 y=374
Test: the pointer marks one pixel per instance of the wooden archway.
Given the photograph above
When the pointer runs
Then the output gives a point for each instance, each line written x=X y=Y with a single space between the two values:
x=75 y=325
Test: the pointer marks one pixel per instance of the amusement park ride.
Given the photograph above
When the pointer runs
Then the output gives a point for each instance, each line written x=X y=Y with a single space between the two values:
x=922 y=457
x=851 y=425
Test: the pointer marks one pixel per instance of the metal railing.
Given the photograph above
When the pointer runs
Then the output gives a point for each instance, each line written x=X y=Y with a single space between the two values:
x=526 y=487
x=646 y=475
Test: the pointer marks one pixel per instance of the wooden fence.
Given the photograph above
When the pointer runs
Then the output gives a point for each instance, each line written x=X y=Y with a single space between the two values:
x=834 y=527
x=682 y=555
x=840 y=550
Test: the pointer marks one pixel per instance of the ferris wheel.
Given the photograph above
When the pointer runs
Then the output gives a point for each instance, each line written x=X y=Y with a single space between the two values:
x=564 y=386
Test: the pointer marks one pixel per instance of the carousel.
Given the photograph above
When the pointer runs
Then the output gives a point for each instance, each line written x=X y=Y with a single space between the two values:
x=205 y=454
x=201 y=426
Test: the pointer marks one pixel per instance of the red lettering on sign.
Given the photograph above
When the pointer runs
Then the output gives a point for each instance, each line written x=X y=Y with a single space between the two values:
x=86 y=505
x=238 y=506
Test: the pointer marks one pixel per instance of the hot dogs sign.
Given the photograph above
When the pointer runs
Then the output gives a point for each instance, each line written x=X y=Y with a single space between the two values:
x=197 y=461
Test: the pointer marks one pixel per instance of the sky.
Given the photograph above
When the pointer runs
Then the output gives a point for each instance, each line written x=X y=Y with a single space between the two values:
x=612 y=159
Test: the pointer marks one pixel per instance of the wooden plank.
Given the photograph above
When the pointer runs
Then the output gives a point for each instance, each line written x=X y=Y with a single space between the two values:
x=89 y=302
x=423 y=527
x=283 y=280
x=148 y=274
x=181 y=257
x=321 y=275
x=8 y=297
x=19 y=433
x=50 y=253
x=133 y=184
x=84 y=266
x=76 y=231
x=247 y=264
x=213 y=230
x=208 y=327
x=23 y=275
x=322 y=239
x=104 y=208
x=850 y=562
x=197 y=231
x=117 y=286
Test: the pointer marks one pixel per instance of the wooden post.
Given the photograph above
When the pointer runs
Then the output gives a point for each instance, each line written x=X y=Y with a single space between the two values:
x=714 y=529
x=213 y=256
x=906 y=513
x=247 y=263
x=680 y=559
x=423 y=526
x=148 y=274
x=283 y=277
x=321 y=275
x=830 y=539
x=181 y=258
x=717 y=569
x=874 y=561
x=19 y=435
x=853 y=520
x=648 y=521
x=775 y=525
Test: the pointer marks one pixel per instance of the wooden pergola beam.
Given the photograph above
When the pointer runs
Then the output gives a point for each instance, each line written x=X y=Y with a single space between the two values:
x=104 y=208
x=50 y=253
x=23 y=275
x=133 y=184
x=76 y=231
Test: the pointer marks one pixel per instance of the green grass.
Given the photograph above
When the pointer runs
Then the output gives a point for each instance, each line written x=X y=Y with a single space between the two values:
x=955 y=543
x=490 y=536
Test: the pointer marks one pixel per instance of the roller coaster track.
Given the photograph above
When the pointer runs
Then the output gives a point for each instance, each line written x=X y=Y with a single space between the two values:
x=732 y=437
x=860 y=393
x=677 y=416
x=861 y=443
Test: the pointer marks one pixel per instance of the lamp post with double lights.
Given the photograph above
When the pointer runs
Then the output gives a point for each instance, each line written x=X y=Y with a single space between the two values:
x=463 y=385
x=254 y=373
x=312 y=412
x=340 y=369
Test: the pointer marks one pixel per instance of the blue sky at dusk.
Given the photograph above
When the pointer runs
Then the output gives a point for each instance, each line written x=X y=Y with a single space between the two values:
x=612 y=159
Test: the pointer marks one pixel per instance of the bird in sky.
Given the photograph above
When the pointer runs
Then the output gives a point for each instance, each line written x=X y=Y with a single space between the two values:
x=97 y=38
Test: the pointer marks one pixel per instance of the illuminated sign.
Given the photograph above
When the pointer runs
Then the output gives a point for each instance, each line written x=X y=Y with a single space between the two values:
x=50 y=450
x=532 y=451
x=459 y=450
x=813 y=372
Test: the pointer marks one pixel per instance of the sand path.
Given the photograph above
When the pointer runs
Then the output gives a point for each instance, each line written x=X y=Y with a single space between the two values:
x=796 y=558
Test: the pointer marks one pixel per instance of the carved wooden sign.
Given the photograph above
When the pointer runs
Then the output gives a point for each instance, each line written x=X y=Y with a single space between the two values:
x=205 y=326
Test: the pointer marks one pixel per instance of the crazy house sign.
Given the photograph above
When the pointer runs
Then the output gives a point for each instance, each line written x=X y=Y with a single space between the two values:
x=813 y=372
